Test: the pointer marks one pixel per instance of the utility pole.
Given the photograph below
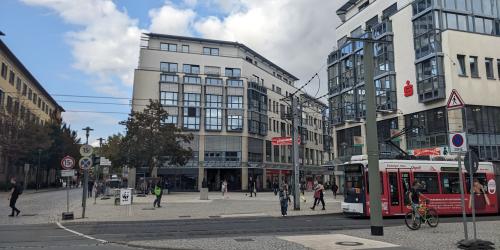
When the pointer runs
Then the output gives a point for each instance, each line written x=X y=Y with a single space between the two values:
x=295 y=145
x=85 y=174
x=376 y=220
x=97 y=167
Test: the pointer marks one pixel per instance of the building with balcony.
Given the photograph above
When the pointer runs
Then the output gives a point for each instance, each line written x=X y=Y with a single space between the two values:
x=435 y=46
x=22 y=96
x=234 y=101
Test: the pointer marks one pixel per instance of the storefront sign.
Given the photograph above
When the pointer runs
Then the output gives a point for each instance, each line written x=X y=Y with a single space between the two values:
x=408 y=89
x=358 y=141
x=278 y=141
x=427 y=151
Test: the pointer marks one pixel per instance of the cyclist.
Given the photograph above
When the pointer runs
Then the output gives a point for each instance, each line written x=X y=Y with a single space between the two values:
x=414 y=195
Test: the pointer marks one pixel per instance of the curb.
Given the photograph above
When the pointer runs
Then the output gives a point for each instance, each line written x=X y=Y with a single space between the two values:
x=147 y=247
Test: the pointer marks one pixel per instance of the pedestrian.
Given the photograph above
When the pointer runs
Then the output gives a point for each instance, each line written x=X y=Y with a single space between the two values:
x=223 y=188
x=252 y=187
x=15 y=191
x=275 y=187
x=283 y=196
x=90 y=186
x=318 y=195
x=158 y=191
x=287 y=191
x=335 y=188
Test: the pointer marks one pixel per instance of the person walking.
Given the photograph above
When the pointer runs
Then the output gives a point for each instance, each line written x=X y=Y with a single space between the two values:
x=15 y=191
x=335 y=188
x=90 y=187
x=276 y=187
x=318 y=195
x=223 y=188
x=158 y=191
x=252 y=186
x=283 y=196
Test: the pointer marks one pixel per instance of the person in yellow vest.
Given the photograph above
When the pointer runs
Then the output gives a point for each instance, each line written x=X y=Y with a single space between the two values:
x=158 y=191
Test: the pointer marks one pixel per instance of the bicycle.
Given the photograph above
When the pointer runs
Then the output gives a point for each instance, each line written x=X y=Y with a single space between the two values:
x=427 y=215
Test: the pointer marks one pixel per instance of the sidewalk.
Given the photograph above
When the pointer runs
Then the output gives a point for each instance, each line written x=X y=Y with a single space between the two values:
x=444 y=237
x=189 y=206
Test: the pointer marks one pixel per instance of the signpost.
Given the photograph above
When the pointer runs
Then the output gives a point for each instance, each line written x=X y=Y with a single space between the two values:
x=85 y=163
x=67 y=164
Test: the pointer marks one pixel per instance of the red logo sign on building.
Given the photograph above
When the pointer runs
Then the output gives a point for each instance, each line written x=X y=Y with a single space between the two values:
x=278 y=141
x=408 y=89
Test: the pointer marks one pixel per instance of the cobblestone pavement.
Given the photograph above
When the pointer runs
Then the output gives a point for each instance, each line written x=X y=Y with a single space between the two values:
x=189 y=206
x=41 y=207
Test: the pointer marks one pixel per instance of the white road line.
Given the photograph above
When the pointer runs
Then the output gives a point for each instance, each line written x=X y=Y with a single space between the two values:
x=80 y=234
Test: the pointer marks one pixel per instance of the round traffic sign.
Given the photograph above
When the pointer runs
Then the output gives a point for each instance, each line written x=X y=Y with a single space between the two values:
x=457 y=140
x=86 y=150
x=67 y=162
x=85 y=163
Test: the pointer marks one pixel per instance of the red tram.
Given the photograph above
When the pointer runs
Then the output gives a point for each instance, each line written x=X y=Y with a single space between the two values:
x=441 y=184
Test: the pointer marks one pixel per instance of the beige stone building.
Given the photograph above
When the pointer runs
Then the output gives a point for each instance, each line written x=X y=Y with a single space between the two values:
x=234 y=101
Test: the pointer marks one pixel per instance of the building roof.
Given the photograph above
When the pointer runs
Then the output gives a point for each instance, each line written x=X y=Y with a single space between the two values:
x=236 y=44
x=342 y=10
x=25 y=71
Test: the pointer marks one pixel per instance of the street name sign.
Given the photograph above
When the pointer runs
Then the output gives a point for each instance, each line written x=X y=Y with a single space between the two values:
x=458 y=142
x=104 y=162
x=85 y=163
x=86 y=150
x=67 y=173
x=68 y=162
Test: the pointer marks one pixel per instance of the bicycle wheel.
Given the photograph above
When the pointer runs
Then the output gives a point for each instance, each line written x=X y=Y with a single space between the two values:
x=432 y=217
x=412 y=222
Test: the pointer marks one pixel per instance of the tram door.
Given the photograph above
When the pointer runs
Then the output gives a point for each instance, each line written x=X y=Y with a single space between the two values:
x=399 y=183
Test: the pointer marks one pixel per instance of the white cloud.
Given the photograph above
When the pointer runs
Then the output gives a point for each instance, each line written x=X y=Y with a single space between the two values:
x=107 y=46
x=170 y=20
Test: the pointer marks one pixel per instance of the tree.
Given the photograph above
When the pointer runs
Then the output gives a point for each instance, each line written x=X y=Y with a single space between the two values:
x=114 y=150
x=150 y=141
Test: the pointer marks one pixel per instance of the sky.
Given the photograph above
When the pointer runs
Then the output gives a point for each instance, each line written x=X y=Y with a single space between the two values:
x=91 y=47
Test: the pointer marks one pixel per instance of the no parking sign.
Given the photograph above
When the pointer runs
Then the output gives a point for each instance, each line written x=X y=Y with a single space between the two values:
x=458 y=142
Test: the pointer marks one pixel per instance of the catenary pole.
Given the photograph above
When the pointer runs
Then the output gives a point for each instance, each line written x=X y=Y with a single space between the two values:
x=295 y=145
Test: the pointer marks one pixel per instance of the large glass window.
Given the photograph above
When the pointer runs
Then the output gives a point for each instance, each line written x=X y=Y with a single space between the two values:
x=191 y=69
x=185 y=48
x=213 y=101
x=191 y=100
x=168 y=98
x=169 y=78
x=12 y=77
x=192 y=80
x=428 y=129
x=488 y=63
x=429 y=182
x=235 y=83
x=212 y=70
x=168 y=47
x=234 y=122
x=385 y=89
x=168 y=67
x=474 y=70
x=171 y=119
x=191 y=118
x=450 y=183
x=233 y=72
x=461 y=64
x=235 y=101
x=211 y=51
x=4 y=71
x=213 y=119
x=213 y=81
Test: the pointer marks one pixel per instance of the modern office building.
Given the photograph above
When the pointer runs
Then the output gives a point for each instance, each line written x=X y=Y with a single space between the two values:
x=23 y=96
x=435 y=46
x=234 y=101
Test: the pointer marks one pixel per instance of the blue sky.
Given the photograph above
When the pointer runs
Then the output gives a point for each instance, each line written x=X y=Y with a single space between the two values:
x=90 y=47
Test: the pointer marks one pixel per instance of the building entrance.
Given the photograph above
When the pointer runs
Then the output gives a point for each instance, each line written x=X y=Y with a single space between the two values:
x=216 y=176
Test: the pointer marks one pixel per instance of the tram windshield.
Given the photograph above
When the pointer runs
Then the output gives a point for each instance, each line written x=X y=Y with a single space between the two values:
x=354 y=182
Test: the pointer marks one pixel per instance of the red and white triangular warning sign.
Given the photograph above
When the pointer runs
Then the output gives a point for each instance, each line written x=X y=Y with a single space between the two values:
x=455 y=101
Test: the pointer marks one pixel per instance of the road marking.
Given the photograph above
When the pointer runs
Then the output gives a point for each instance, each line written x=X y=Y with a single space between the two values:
x=80 y=234
x=336 y=241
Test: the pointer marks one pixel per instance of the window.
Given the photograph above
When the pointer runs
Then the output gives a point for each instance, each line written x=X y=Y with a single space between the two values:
x=450 y=183
x=168 y=98
x=171 y=119
x=35 y=97
x=211 y=70
x=191 y=118
x=185 y=48
x=237 y=83
x=233 y=72
x=278 y=90
x=461 y=64
x=2 y=96
x=480 y=177
x=213 y=119
x=191 y=69
x=234 y=122
x=211 y=51
x=235 y=102
x=4 y=71
x=30 y=94
x=192 y=80
x=429 y=181
x=169 y=78
x=213 y=101
x=168 y=67
x=168 y=47
x=25 y=89
x=498 y=68
x=39 y=102
x=488 y=63
x=12 y=77
x=474 y=71
x=191 y=100
x=9 y=104
x=213 y=81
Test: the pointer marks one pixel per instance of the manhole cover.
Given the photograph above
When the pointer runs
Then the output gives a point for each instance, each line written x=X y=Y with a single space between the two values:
x=348 y=243
x=243 y=240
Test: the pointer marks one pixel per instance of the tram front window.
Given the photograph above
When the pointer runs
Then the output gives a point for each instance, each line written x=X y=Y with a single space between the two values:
x=353 y=191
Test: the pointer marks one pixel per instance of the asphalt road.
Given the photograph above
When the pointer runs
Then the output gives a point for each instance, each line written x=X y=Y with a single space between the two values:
x=50 y=236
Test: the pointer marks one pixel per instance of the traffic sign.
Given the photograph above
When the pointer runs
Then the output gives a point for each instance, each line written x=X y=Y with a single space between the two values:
x=86 y=150
x=85 y=163
x=455 y=101
x=68 y=162
x=125 y=196
x=68 y=173
x=471 y=162
x=458 y=142
x=104 y=162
